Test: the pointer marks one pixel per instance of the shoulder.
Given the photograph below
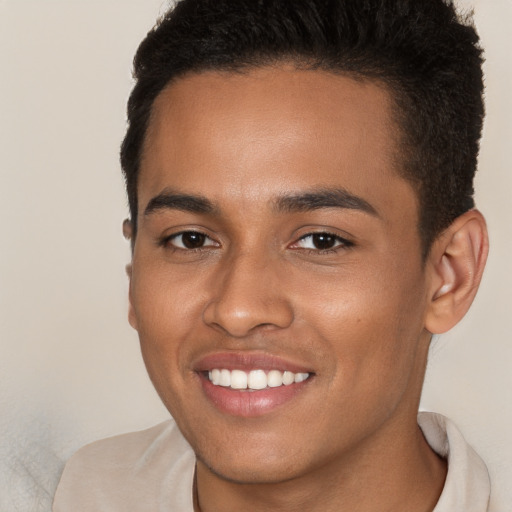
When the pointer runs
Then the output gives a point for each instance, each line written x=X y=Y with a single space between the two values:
x=123 y=471
x=467 y=485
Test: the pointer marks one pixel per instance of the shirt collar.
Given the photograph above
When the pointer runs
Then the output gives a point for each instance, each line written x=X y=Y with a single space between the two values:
x=467 y=486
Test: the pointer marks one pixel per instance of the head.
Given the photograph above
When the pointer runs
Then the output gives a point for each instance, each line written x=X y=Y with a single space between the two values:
x=299 y=177
x=422 y=52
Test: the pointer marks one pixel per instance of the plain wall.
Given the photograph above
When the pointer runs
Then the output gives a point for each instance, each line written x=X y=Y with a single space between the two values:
x=70 y=368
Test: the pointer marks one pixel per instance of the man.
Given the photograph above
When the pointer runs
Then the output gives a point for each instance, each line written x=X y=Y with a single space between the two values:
x=300 y=184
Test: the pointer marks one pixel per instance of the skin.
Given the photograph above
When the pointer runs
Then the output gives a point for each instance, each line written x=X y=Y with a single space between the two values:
x=358 y=315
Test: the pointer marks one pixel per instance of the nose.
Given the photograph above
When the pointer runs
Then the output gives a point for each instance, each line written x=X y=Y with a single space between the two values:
x=248 y=294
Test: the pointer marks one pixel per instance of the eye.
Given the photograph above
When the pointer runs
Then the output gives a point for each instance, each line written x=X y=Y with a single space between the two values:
x=189 y=240
x=322 y=242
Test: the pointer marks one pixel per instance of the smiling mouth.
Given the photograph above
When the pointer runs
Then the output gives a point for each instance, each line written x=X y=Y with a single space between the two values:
x=250 y=384
x=255 y=380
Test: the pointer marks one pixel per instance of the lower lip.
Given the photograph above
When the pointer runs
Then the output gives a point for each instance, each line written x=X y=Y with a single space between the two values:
x=248 y=403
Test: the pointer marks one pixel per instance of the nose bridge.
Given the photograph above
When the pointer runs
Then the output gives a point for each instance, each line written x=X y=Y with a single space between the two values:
x=247 y=295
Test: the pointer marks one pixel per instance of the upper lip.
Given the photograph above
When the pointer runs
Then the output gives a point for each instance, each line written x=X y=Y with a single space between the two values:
x=248 y=361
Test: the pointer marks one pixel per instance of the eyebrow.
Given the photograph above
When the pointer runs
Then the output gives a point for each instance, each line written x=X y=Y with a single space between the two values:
x=323 y=198
x=301 y=202
x=178 y=201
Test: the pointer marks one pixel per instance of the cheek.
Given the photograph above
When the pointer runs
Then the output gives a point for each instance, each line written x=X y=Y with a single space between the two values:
x=164 y=301
x=370 y=322
x=167 y=312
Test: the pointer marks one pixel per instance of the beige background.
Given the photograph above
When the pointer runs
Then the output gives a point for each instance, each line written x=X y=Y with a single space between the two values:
x=70 y=370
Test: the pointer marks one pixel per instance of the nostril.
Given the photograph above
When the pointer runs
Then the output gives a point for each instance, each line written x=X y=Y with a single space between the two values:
x=244 y=297
x=241 y=319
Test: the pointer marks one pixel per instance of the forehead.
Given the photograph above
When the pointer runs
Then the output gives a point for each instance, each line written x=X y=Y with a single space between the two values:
x=271 y=130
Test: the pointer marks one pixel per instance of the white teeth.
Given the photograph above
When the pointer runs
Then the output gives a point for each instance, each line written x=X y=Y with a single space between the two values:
x=301 y=377
x=215 y=377
x=255 y=379
x=225 y=378
x=238 y=379
x=274 y=379
x=288 y=378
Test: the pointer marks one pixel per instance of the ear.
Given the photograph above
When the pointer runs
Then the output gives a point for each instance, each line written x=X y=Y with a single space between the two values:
x=132 y=317
x=127 y=233
x=456 y=262
x=127 y=229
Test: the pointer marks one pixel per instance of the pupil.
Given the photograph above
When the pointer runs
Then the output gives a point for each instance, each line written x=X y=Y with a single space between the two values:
x=193 y=240
x=324 y=241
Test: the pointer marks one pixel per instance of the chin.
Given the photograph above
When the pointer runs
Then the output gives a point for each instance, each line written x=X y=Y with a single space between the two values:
x=260 y=459
x=252 y=472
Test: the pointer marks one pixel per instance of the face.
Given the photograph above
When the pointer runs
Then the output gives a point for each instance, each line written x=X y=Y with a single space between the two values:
x=277 y=283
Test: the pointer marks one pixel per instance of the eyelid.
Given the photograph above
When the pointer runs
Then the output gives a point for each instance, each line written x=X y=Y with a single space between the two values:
x=341 y=241
x=168 y=239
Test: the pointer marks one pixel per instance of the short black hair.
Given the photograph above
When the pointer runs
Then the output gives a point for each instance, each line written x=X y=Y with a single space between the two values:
x=426 y=54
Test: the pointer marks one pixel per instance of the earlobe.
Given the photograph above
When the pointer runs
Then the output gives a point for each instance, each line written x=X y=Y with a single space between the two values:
x=127 y=233
x=457 y=262
x=132 y=317
x=127 y=229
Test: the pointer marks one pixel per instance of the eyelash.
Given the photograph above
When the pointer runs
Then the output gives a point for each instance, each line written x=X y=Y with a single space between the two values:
x=166 y=242
x=343 y=243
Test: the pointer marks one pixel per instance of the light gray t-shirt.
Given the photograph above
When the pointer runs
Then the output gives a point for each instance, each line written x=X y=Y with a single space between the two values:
x=153 y=471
